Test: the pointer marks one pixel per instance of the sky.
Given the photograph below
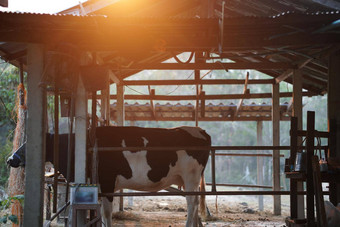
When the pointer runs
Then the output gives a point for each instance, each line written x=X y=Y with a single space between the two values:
x=39 y=6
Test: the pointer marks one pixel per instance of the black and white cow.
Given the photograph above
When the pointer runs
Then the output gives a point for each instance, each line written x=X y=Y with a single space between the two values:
x=145 y=170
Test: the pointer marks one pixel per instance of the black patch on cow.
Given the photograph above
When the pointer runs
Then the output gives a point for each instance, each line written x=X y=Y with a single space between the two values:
x=113 y=163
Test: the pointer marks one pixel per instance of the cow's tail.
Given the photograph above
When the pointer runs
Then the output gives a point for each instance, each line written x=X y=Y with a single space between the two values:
x=203 y=204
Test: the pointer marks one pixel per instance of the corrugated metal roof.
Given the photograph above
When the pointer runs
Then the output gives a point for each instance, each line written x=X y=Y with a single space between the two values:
x=293 y=17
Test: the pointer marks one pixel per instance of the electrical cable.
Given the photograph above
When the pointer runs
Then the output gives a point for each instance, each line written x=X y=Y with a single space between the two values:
x=185 y=62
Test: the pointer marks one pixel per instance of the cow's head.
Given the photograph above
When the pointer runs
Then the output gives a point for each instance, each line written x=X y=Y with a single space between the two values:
x=18 y=157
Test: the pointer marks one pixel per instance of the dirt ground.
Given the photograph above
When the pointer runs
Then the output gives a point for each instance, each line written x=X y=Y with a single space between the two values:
x=171 y=211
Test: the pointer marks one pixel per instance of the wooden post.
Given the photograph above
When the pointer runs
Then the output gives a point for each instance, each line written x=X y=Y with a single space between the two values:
x=107 y=105
x=276 y=142
x=213 y=169
x=293 y=182
x=120 y=122
x=130 y=198
x=260 y=165
x=56 y=145
x=297 y=112
x=80 y=140
x=309 y=169
x=197 y=78
x=334 y=115
x=35 y=147
x=120 y=105
x=103 y=107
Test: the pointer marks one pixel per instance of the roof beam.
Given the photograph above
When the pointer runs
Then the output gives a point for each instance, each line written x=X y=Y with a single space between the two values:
x=205 y=66
x=260 y=118
x=207 y=97
x=193 y=82
x=289 y=72
x=152 y=106
x=245 y=92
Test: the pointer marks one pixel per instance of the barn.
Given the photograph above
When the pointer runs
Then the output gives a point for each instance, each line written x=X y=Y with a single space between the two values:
x=88 y=48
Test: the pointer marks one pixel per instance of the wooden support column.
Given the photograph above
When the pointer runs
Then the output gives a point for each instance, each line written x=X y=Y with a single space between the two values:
x=334 y=116
x=197 y=78
x=120 y=122
x=276 y=142
x=260 y=165
x=56 y=145
x=198 y=56
x=297 y=112
x=105 y=103
x=35 y=153
x=120 y=105
x=80 y=141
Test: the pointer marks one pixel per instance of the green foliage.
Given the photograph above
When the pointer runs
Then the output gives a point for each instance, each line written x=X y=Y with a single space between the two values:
x=5 y=204
x=8 y=84
x=5 y=152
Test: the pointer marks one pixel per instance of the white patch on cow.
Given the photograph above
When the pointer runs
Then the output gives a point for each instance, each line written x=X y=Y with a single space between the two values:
x=123 y=143
x=139 y=166
x=187 y=171
x=145 y=141
x=194 y=131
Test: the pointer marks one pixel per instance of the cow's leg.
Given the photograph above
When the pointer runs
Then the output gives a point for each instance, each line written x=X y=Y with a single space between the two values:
x=107 y=212
x=191 y=183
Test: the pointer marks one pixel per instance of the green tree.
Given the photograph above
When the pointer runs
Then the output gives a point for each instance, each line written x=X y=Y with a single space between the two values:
x=8 y=85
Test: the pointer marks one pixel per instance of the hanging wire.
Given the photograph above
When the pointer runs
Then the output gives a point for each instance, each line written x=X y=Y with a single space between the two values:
x=135 y=90
x=185 y=62
x=180 y=85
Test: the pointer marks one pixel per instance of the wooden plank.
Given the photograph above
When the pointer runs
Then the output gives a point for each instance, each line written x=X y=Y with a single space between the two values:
x=206 y=66
x=120 y=105
x=290 y=72
x=202 y=98
x=260 y=165
x=309 y=169
x=320 y=206
x=263 y=118
x=245 y=92
x=242 y=185
x=103 y=103
x=333 y=105
x=208 y=97
x=293 y=182
x=316 y=133
x=213 y=170
x=276 y=142
x=120 y=122
x=152 y=106
x=35 y=153
x=107 y=101
x=193 y=82
x=297 y=112
x=216 y=148
x=56 y=146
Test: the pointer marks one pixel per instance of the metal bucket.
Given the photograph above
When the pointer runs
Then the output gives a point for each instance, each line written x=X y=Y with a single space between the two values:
x=300 y=162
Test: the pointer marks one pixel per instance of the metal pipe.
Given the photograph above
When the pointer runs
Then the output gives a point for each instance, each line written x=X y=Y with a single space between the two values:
x=231 y=148
x=56 y=214
x=241 y=185
x=203 y=193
